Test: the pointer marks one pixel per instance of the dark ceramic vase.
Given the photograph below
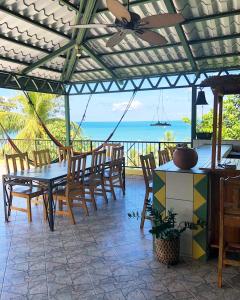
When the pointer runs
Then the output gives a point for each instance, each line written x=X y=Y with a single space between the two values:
x=185 y=158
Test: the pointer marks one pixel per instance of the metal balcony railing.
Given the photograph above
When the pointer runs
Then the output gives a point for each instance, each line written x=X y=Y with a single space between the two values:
x=132 y=149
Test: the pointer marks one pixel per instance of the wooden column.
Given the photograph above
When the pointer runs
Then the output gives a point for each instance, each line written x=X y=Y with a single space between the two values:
x=194 y=114
x=220 y=116
x=215 y=122
x=67 y=120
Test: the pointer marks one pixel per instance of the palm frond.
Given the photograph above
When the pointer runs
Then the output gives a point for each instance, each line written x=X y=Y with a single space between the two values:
x=12 y=121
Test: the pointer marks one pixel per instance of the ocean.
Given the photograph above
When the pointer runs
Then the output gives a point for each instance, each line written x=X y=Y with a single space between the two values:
x=137 y=131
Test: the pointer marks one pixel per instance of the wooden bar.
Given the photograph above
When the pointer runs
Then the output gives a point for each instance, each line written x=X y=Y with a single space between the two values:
x=220 y=118
x=194 y=194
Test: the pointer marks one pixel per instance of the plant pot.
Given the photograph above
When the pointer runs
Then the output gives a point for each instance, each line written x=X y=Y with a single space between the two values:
x=168 y=251
x=204 y=135
x=185 y=158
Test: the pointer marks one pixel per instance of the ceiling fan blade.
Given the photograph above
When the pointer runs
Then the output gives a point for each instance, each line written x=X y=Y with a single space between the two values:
x=152 y=37
x=118 y=10
x=163 y=20
x=94 y=26
x=116 y=39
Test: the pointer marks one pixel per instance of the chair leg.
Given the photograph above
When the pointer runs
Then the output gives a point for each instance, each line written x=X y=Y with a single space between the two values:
x=85 y=207
x=60 y=205
x=144 y=209
x=70 y=211
x=45 y=207
x=93 y=198
x=29 y=210
x=104 y=192
x=112 y=189
x=10 y=202
x=121 y=184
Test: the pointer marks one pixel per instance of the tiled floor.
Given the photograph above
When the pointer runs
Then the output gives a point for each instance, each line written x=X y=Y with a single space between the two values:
x=104 y=256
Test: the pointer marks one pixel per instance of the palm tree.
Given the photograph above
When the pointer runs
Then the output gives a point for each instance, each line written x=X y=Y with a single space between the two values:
x=18 y=117
x=169 y=136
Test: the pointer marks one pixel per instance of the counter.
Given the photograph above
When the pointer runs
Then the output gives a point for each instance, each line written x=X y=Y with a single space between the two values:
x=187 y=192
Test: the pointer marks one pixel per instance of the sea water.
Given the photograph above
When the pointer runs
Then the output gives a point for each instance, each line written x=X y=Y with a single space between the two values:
x=137 y=131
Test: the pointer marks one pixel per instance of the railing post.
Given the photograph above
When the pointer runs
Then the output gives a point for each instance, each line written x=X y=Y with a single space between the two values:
x=91 y=146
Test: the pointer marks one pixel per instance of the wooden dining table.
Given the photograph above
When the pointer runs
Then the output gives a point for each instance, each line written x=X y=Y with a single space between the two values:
x=50 y=176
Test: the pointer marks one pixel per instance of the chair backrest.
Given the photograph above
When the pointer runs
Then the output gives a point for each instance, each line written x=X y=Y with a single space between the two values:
x=109 y=148
x=41 y=158
x=163 y=156
x=64 y=153
x=230 y=201
x=171 y=151
x=148 y=165
x=98 y=162
x=117 y=152
x=117 y=159
x=17 y=162
x=76 y=172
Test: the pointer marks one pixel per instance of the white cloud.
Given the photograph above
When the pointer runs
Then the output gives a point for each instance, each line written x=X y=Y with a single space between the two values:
x=121 y=106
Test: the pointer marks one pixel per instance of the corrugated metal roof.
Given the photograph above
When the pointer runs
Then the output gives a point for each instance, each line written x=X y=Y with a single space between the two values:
x=31 y=30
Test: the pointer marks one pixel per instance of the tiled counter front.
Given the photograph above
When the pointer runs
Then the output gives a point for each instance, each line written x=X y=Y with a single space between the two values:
x=186 y=194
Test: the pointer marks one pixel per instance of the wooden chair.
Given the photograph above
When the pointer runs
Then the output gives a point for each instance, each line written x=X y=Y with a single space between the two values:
x=113 y=175
x=21 y=189
x=171 y=151
x=95 y=181
x=230 y=220
x=163 y=156
x=73 y=194
x=109 y=148
x=148 y=165
x=64 y=153
x=41 y=158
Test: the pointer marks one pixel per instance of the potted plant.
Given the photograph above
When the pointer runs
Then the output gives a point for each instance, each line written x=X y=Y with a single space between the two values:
x=167 y=233
x=204 y=135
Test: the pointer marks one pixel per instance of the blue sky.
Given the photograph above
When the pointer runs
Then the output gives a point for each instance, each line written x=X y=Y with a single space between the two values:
x=109 y=107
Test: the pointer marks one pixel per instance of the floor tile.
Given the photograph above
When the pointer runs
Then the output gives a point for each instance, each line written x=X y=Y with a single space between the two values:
x=103 y=256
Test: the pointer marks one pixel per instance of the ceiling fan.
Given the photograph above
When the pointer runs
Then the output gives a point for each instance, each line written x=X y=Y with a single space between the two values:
x=130 y=22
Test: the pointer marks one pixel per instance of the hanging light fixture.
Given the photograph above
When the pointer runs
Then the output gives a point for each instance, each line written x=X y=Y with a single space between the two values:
x=201 y=98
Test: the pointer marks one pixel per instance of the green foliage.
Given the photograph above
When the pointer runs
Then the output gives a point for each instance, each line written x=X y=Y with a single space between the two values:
x=133 y=157
x=166 y=228
x=186 y=120
x=231 y=119
x=18 y=116
x=169 y=136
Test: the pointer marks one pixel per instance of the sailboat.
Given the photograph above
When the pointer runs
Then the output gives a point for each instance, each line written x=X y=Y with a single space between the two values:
x=160 y=123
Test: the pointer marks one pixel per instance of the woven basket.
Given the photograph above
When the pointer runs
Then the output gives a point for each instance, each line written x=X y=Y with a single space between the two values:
x=167 y=251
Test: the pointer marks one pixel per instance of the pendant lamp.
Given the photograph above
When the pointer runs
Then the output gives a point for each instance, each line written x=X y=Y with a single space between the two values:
x=201 y=98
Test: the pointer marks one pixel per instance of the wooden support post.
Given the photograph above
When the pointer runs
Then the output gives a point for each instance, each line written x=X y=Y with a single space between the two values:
x=194 y=114
x=220 y=117
x=214 y=136
x=67 y=120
